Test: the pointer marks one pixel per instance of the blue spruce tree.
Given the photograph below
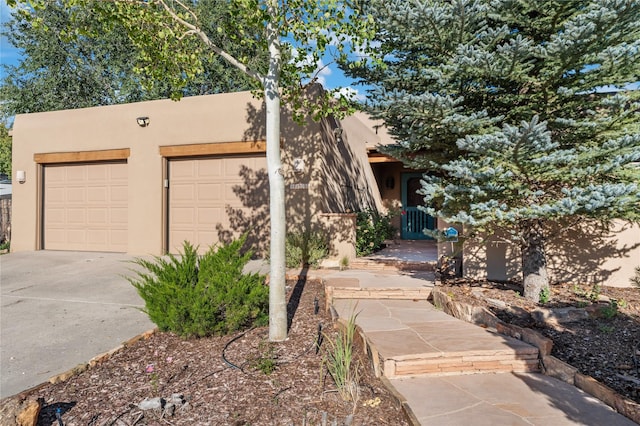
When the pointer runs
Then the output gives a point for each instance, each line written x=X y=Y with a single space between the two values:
x=521 y=112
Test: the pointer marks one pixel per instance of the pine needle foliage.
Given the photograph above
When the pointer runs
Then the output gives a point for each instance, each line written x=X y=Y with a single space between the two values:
x=519 y=112
x=198 y=296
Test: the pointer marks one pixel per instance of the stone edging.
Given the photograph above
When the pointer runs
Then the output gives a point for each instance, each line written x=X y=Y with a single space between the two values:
x=408 y=412
x=551 y=366
x=21 y=398
x=371 y=351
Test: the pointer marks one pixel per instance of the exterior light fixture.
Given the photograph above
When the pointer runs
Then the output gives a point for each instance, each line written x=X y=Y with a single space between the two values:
x=21 y=176
x=142 y=121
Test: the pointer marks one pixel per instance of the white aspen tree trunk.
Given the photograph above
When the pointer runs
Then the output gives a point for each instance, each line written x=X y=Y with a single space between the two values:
x=277 y=296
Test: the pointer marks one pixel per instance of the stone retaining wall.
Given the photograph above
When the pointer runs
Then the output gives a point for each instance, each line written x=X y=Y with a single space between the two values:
x=551 y=366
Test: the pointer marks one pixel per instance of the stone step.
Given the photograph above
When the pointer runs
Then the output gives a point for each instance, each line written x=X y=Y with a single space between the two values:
x=333 y=293
x=391 y=265
x=524 y=360
x=408 y=338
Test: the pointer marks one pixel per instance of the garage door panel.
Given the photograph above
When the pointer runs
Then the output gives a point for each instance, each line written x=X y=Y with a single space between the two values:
x=97 y=237
x=119 y=216
x=234 y=165
x=182 y=192
x=77 y=236
x=119 y=174
x=182 y=169
x=119 y=193
x=232 y=194
x=210 y=189
x=210 y=216
x=76 y=216
x=209 y=192
x=56 y=174
x=76 y=195
x=97 y=217
x=86 y=207
x=55 y=217
x=99 y=172
x=57 y=193
x=98 y=194
x=211 y=168
x=183 y=215
x=179 y=236
x=75 y=174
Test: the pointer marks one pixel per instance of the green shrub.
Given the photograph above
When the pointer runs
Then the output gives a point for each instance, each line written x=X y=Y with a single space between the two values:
x=372 y=229
x=609 y=311
x=194 y=295
x=266 y=361
x=545 y=295
x=305 y=249
x=635 y=280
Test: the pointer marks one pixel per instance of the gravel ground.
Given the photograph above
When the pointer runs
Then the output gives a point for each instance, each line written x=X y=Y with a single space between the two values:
x=225 y=380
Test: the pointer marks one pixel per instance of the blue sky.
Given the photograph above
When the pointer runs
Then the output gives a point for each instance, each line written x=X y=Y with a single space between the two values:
x=8 y=54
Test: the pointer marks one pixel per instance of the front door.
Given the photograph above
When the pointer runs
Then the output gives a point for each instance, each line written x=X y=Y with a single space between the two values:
x=414 y=221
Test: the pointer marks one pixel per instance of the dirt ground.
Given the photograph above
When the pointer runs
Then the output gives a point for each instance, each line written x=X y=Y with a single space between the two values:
x=602 y=340
x=226 y=380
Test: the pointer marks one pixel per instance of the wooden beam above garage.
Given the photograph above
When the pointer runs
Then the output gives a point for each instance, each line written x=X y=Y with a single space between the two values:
x=222 y=148
x=82 y=156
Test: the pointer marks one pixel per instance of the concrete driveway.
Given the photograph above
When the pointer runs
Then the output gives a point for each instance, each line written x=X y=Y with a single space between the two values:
x=60 y=309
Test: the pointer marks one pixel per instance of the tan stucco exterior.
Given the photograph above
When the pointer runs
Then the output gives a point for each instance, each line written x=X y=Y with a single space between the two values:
x=340 y=176
x=336 y=177
x=579 y=254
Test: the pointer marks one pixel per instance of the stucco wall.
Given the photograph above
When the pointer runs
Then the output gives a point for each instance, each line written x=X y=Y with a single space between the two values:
x=334 y=180
x=581 y=253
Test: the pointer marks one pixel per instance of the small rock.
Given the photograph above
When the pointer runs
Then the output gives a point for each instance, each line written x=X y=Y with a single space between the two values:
x=15 y=411
x=496 y=303
x=477 y=293
x=177 y=399
x=559 y=315
x=29 y=414
x=169 y=409
x=604 y=299
x=151 y=404
x=624 y=367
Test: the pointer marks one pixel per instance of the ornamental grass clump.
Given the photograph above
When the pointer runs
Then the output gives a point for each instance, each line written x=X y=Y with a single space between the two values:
x=341 y=364
x=197 y=296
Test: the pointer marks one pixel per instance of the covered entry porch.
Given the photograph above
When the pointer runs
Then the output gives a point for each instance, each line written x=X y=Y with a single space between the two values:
x=398 y=187
x=415 y=255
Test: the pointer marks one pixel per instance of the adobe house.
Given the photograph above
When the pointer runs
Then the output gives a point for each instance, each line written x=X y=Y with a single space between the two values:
x=141 y=178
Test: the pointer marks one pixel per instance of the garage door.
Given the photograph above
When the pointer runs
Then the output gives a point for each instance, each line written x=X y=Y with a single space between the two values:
x=205 y=192
x=85 y=207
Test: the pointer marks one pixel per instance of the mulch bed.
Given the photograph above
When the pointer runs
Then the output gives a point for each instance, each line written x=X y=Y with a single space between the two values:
x=605 y=344
x=223 y=380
